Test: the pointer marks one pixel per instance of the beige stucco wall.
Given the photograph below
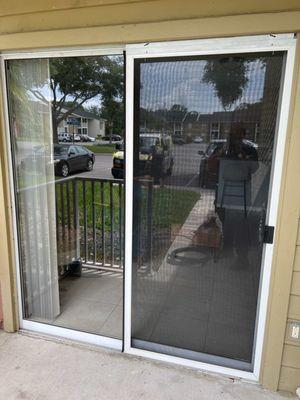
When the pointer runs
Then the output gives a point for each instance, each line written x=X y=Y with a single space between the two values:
x=58 y=23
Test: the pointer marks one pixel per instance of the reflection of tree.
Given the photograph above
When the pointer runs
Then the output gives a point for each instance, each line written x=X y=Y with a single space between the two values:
x=228 y=76
x=163 y=118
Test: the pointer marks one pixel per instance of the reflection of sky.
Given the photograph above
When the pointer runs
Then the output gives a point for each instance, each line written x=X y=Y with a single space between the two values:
x=164 y=84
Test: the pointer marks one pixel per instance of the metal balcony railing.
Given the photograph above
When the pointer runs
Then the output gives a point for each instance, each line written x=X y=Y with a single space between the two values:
x=90 y=221
x=89 y=218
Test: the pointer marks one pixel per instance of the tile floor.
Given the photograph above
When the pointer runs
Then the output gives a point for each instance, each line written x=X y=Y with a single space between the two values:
x=207 y=308
x=92 y=303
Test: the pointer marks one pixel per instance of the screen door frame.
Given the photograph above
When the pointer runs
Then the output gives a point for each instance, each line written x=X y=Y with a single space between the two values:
x=220 y=46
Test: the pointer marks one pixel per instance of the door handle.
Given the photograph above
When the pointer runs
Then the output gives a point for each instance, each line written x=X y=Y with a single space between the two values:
x=268 y=234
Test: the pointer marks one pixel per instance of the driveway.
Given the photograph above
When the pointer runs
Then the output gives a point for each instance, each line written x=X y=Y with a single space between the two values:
x=185 y=170
x=102 y=167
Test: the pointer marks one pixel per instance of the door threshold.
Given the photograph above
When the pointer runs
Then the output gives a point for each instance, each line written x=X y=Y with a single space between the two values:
x=193 y=355
x=202 y=366
x=69 y=334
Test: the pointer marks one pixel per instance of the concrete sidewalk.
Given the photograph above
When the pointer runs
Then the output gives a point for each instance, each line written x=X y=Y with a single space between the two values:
x=34 y=368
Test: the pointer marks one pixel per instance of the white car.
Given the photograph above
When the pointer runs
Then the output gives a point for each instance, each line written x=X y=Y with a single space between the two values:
x=87 y=138
x=64 y=137
x=198 y=139
x=76 y=138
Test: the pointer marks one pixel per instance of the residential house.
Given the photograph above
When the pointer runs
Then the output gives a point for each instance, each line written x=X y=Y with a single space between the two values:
x=82 y=122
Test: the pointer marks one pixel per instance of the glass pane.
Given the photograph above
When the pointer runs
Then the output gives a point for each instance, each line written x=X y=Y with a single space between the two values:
x=69 y=207
x=204 y=139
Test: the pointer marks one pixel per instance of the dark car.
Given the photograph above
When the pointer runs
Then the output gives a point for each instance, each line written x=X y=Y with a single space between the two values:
x=72 y=158
x=209 y=164
x=113 y=138
x=178 y=140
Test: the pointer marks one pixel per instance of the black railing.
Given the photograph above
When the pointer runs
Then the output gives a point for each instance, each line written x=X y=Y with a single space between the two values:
x=90 y=221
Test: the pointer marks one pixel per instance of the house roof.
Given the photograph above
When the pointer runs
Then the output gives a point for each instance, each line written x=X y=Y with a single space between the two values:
x=86 y=114
x=78 y=112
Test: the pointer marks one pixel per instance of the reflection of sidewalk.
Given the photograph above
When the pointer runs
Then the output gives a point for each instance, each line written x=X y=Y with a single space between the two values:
x=202 y=208
x=204 y=307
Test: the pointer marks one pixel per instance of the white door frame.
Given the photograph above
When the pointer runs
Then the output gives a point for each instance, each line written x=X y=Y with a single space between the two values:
x=25 y=324
x=251 y=44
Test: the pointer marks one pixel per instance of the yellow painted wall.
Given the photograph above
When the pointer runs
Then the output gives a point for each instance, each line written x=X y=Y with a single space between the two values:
x=59 y=23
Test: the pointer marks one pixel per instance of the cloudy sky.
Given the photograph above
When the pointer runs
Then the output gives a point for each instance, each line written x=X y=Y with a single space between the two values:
x=180 y=82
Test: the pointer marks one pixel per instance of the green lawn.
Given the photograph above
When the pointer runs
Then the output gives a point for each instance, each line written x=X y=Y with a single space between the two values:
x=102 y=149
x=172 y=206
x=169 y=206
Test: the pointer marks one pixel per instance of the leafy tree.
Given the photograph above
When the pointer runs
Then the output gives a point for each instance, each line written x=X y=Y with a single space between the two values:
x=228 y=76
x=76 y=80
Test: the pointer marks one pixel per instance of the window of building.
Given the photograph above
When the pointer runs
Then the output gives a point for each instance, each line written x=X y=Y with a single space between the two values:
x=215 y=130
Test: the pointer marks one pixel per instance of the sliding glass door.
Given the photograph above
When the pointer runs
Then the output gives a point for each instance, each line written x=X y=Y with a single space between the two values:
x=204 y=134
x=66 y=117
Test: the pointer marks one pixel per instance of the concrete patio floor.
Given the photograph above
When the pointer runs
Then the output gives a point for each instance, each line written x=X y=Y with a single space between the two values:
x=34 y=367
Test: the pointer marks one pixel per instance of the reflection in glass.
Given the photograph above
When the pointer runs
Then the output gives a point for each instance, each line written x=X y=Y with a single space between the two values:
x=200 y=199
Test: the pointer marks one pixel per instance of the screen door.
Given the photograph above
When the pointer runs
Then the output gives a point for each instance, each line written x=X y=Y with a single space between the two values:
x=204 y=135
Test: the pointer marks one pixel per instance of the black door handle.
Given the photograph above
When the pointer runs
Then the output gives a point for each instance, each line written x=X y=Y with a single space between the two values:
x=268 y=234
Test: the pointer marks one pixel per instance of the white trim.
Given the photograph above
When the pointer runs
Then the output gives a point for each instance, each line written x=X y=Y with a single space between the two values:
x=128 y=200
x=67 y=52
x=274 y=192
x=71 y=334
x=263 y=43
x=244 y=44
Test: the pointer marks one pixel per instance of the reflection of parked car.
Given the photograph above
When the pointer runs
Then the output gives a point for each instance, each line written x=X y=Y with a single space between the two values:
x=178 y=140
x=198 y=139
x=209 y=164
x=72 y=158
x=146 y=145
x=113 y=138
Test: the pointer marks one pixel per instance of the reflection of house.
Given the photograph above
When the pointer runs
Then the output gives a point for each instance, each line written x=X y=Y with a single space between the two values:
x=82 y=123
x=217 y=125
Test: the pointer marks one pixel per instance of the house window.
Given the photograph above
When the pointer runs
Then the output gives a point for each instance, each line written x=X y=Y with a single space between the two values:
x=215 y=130
x=84 y=120
x=257 y=131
